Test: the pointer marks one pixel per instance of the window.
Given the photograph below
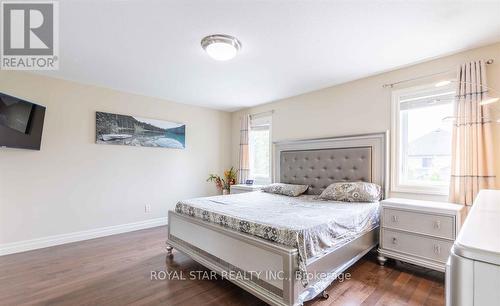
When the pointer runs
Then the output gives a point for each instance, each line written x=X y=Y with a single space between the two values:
x=422 y=139
x=260 y=148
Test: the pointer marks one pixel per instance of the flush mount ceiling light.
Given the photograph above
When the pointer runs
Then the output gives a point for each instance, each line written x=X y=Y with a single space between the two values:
x=221 y=47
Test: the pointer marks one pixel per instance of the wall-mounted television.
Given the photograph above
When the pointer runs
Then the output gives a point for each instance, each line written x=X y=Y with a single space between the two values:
x=21 y=123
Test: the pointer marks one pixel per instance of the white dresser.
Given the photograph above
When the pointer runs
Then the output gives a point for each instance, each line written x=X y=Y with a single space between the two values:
x=473 y=269
x=241 y=188
x=418 y=232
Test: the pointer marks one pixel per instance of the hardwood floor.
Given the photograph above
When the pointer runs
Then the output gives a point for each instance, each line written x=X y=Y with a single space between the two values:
x=116 y=270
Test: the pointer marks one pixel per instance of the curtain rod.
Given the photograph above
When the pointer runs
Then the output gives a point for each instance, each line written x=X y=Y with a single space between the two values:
x=256 y=115
x=391 y=85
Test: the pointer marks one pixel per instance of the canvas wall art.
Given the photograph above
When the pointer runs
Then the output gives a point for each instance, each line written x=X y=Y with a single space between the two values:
x=136 y=131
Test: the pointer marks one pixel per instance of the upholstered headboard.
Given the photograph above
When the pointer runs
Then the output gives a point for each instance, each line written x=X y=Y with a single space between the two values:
x=321 y=162
x=320 y=168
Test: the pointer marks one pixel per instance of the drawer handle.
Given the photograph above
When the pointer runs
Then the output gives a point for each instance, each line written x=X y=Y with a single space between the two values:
x=394 y=240
x=394 y=218
x=437 y=249
x=437 y=224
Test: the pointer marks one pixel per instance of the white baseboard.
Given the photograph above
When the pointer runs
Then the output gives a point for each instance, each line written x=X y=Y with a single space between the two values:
x=39 y=243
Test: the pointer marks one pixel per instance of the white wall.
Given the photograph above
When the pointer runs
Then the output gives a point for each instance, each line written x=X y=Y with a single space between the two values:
x=73 y=184
x=360 y=106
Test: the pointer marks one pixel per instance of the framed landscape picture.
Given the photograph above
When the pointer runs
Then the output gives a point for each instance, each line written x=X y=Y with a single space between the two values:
x=137 y=131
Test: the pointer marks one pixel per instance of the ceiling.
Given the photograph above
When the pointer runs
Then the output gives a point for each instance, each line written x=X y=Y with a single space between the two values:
x=289 y=47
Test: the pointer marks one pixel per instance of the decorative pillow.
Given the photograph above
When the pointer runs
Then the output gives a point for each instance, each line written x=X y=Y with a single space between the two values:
x=290 y=190
x=352 y=192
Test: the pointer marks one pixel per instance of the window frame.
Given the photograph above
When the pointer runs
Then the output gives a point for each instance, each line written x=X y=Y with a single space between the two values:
x=395 y=142
x=263 y=180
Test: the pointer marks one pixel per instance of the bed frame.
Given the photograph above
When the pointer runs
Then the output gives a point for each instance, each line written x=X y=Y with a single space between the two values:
x=316 y=162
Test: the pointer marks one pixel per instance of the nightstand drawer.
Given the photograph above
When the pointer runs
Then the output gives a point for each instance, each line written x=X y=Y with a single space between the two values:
x=424 y=247
x=422 y=223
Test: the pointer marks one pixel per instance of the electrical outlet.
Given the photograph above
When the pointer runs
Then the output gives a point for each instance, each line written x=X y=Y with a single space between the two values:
x=147 y=208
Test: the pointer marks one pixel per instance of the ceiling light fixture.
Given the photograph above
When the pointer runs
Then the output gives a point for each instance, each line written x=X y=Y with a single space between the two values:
x=221 y=47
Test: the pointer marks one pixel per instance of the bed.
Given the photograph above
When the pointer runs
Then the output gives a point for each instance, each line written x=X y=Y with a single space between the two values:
x=287 y=250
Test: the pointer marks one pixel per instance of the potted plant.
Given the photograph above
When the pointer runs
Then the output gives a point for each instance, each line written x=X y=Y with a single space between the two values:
x=224 y=183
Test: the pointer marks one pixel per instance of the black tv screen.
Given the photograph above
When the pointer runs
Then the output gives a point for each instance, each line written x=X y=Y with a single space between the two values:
x=21 y=123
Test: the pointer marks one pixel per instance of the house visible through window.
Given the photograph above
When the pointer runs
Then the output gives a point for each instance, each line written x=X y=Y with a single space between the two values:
x=422 y=133
x=260 y=148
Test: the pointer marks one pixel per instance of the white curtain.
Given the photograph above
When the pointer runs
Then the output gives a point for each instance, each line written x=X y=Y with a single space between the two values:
x=472 y=145
x=244 y=167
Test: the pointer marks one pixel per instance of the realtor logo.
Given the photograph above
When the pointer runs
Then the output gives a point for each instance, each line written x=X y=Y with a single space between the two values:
x=29 y=35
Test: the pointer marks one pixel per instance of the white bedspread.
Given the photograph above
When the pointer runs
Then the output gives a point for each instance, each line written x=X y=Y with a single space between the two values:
x=315 y=225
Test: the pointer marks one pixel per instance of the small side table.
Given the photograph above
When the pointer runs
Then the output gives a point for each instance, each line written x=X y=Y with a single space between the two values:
x=242 y=188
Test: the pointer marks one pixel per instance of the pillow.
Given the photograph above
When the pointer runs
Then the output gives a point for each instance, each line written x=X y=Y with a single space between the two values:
x=352 y=192
x=290 y=190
